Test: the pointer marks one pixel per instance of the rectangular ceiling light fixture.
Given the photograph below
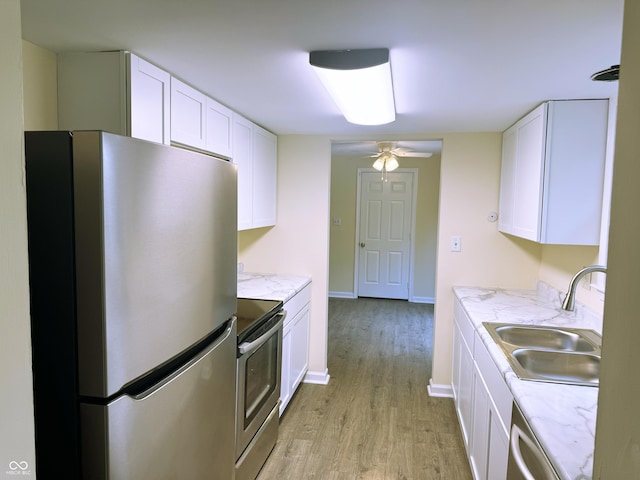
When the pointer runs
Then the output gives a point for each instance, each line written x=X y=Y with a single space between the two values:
x=359 y=81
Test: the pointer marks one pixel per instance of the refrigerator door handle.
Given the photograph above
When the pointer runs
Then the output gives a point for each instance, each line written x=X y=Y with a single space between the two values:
x=248 y=347
x=157 y=386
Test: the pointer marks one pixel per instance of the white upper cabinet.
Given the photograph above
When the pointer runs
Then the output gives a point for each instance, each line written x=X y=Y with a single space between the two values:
x=255 y=153
x=149 y=88
x=117 y=92
x=122 y=93
x=218 y=129
x=552 y=173
x=265 y=166
x=188 y=115
x=199 y=121
x=243 y=158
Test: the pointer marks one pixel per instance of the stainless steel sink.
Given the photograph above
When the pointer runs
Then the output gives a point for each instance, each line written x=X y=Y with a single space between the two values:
x=550 y=354
x=560 y=366
x=547 y=337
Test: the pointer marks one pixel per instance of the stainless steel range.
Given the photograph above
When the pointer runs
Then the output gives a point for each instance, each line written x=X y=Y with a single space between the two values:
x=259 y=360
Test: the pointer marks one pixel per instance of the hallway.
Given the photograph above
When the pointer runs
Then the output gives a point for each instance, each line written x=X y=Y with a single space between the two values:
x=375 y=419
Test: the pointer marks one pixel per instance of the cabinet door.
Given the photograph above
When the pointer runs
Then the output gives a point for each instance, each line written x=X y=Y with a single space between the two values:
x=465 y=392
x=218 y=128
x=285 y=386
x=527 y=200
x=300 y=348
x=455 y=364
x=498 y=456
x=149 y=99
x=243 y=158
x=264 y=177
x=188 y=115
x=479 y=441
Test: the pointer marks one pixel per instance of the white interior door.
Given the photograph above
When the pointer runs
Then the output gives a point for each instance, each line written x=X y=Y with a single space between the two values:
x=384 y=242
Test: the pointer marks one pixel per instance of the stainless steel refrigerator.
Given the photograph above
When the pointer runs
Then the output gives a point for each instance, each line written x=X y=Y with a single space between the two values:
x=132 y=257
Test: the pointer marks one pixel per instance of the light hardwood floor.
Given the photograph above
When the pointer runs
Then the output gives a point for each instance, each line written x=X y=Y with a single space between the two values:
x=374 y=420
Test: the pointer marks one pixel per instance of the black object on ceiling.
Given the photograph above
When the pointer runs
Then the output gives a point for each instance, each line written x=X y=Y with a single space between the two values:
x=610 y=74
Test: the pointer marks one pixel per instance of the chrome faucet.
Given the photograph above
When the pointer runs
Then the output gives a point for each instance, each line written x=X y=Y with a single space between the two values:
x=569 y=302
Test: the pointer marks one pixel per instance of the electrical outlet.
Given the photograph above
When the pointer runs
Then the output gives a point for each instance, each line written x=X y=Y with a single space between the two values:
x=585 y=282
x=456 y=244
x=336 y=221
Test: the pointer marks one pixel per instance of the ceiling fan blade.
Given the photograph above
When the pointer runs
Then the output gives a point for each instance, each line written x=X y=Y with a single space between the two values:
x=414 y=154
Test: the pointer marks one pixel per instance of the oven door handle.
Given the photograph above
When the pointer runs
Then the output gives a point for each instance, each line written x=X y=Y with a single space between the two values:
x=518 y=434
x=248 y=347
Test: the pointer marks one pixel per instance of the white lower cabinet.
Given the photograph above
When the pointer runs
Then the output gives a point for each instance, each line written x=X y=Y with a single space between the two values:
x=295 y=344
x=483 y=401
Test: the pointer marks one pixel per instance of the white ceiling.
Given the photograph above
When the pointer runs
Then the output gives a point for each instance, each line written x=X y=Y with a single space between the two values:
x=458 y=65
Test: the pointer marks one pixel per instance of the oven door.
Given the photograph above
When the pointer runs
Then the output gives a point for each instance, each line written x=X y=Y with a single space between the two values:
x=527 y=460
x=258 y=386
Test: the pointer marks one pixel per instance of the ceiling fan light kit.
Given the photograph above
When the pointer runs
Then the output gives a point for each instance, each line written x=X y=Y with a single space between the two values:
x=359 y=81
x=386 y=162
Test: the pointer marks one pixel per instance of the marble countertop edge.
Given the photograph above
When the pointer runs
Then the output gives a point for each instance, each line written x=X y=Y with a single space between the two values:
x=270 y=286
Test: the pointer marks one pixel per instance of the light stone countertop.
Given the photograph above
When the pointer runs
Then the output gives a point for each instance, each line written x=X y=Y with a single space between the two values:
x=269 y=286
x=563 y=417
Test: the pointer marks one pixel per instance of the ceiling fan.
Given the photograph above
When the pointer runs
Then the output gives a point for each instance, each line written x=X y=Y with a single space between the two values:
x=388 y=154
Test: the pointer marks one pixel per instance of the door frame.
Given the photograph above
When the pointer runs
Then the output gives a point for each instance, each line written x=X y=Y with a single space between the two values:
x=412 y=236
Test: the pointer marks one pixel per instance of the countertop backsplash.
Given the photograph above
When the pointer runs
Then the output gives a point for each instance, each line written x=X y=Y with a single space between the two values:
x=527 y=307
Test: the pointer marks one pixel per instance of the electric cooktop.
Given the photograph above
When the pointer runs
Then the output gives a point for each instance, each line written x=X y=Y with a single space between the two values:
x=252 y=312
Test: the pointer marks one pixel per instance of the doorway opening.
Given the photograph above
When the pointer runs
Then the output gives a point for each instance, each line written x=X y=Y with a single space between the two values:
x=401 y=212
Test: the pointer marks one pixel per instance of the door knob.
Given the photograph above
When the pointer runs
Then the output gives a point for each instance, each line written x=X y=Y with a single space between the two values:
x=362 y=244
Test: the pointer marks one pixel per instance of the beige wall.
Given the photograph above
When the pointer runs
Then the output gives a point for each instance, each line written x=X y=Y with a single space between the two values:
x=41 y=88
x=560 y=262
x=617 y=453
x=344 y=178
x=297 y=245
x=16 y=410
x=469 y=191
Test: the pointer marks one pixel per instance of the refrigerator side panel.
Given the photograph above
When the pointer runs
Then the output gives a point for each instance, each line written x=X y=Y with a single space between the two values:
x=89 y=265
x=182 y=427
x=52 y=301
x=169 y=240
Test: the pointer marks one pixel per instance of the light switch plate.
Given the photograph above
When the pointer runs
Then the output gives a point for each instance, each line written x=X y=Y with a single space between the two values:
x=456 y=244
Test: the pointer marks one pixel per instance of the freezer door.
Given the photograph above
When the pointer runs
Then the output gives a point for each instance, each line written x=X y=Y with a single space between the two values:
x=156 y=254
x=181 y=428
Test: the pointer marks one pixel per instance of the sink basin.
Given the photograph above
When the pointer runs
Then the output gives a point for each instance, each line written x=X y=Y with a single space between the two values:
x=545 y=337
x=550 y=354
x=558 y=366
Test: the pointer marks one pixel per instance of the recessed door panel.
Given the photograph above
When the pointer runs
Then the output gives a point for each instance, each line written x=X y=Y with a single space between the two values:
x=394 y=271
x=372 y=267
x=374 y=220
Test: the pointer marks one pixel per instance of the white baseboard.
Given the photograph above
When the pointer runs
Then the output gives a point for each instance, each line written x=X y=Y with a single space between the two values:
x=342 y=295
x=429 y=300
x=319 y=378
x=436 y=390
